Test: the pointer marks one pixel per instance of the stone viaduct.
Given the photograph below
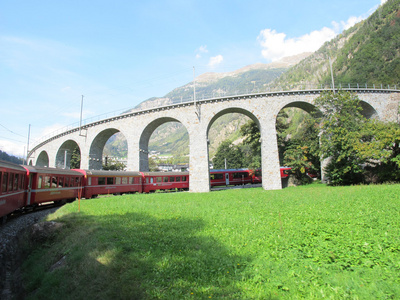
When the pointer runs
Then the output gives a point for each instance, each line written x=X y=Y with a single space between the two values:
x=197 y=118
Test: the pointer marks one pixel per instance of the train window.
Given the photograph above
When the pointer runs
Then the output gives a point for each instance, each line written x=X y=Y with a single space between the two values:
x=158 y=179
x=178 y=179
x=240 y=175
x=61 y=182
x=66 y=183
x=54 y=182
x=165 y=179
x=22 y=182
x=46 y=182
x=124 y=180
x=5 y=180
x=184 y=178
x=118 y=180
x=78 y=181
x=16 y=178
x=131 y=180
x=10 y=182
x=102 y=181
x=218 y=176
x=110 y=180
x=39 y=184
x=172 y=179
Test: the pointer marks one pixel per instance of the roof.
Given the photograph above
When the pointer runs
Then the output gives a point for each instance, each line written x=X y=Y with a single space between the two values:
x=35 y=169
x=10 y=165
x=104 y=173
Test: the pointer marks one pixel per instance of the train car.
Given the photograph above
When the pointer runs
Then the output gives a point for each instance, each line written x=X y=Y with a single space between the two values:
x=285 y=172
x=13 y=188
x=47 y=185
x=230 y=177
x=165 y=181
x=99 y=182
x=257 y=174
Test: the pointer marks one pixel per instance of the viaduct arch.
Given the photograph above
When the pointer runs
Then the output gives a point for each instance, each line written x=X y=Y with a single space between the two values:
x=197 y=118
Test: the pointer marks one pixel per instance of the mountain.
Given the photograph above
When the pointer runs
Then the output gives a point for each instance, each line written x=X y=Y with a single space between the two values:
x=171 y=139
x=10 y=158
x=369 y=52
x=249 y=79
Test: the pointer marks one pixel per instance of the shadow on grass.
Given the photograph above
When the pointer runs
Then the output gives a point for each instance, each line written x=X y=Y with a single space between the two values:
x=135 y=256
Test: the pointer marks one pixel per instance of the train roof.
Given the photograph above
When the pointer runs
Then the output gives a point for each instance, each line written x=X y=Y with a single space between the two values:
x=166 y=173
x=109 y=173
x=10 y=165
x=45 y=170
x=229 y=170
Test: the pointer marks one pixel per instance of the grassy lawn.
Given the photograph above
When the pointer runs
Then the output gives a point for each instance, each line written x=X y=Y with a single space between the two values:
x=307 y=242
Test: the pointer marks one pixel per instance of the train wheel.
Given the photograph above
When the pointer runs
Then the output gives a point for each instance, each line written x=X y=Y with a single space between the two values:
x=60 y=202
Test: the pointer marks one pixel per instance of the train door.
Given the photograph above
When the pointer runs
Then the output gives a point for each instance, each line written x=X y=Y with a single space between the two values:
x=29 y=191
x=227 y=178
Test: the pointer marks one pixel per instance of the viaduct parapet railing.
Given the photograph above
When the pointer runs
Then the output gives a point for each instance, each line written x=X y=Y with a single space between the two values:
x=204 y=99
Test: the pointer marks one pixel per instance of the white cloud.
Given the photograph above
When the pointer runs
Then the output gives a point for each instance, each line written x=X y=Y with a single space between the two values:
x=66 y=89
x=216 y=60
x=351 y=22
x=276 y=45
x=201 y=50
x=383 y=2
x=12 y=148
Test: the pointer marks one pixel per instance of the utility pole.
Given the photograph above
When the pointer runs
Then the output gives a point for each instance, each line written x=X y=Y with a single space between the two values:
x=27 y=148
x=65 y=159
x=194 y=95
x=194 y=87
x=80 y=120
x=333 y=82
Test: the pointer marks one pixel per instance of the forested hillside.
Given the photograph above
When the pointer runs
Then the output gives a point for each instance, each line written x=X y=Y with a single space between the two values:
x=10 y=158
x=373 y=54
x=369 y=52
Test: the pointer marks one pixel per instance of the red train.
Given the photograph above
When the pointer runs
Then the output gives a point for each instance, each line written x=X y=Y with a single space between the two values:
x=25 y=187
x=240 y=176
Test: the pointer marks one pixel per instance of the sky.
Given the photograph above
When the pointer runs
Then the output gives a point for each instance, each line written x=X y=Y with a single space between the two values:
x=117 y=54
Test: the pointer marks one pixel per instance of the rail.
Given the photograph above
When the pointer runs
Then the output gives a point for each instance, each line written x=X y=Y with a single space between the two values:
x=162 y=102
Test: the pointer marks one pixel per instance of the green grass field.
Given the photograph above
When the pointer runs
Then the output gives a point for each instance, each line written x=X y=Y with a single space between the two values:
x=310 y=242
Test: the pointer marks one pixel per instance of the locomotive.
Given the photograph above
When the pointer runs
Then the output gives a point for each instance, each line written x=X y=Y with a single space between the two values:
x=26 y=187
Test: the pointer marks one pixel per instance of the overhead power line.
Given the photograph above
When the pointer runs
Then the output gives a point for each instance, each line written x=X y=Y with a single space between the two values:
x=2 y=137
x=12 y=131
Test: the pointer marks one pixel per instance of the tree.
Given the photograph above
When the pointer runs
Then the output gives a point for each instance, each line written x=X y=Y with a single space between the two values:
x=153 y=165
x=251 y=143
x=378 y=144
x=10 y=158
x=340 y=123
x=232 y=153
x=301 y=151
x=75 y=162
x=113 y=164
